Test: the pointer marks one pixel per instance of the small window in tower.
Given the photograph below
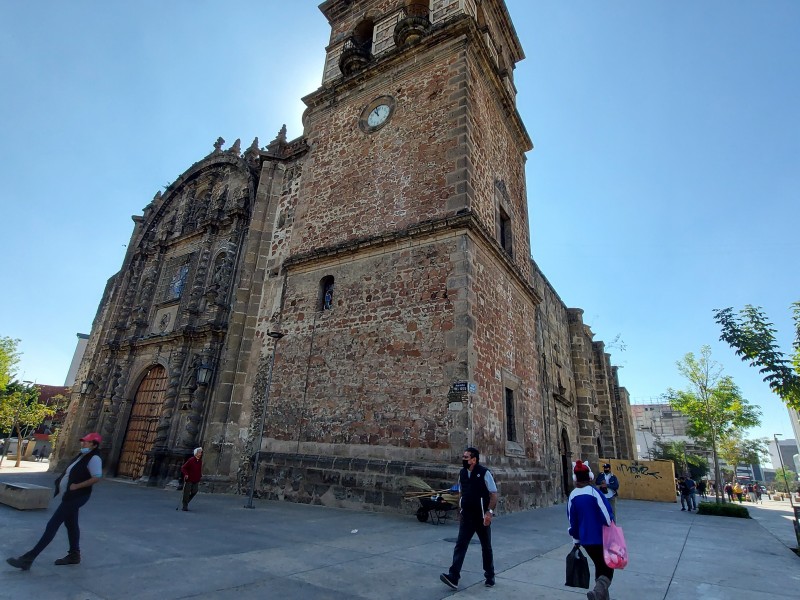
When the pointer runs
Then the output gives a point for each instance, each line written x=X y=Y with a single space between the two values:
x=511 y=422
x=326 y=293
x=505 y=231
x=503 y=216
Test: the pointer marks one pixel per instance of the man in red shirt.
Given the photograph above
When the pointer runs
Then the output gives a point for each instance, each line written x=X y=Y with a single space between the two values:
x=192 y=471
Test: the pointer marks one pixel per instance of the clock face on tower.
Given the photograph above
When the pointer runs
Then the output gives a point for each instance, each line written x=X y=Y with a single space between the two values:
x=376 y=114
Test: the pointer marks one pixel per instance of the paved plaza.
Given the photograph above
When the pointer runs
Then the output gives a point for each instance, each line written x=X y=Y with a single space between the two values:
x=136 y=545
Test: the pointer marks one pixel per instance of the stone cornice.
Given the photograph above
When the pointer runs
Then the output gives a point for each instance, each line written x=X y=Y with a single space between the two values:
x=464 y=220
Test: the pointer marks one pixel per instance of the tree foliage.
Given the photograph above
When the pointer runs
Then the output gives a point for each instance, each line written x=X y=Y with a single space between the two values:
x=752 y=336
x=735 y=449
x=21 y=412
x=9 y=358
x=675 y=451
x=785 y=480
x=712 y=402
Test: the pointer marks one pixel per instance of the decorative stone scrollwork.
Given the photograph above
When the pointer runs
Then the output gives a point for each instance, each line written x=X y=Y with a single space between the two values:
x=170 y=398
x=117 y=396
x=252 y=156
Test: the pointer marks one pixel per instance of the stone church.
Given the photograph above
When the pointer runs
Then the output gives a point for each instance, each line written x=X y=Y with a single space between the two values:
x=332 y=314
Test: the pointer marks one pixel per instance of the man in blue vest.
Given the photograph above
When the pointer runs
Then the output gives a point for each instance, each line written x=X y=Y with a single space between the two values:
x=608 y=484
x=477 y=501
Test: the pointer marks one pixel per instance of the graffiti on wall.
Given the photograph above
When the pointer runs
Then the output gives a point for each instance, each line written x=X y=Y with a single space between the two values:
x=637 y=470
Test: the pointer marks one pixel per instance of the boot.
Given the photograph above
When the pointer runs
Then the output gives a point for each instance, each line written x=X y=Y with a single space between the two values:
x=72 y=558
x=24 y=562
x=600 y=591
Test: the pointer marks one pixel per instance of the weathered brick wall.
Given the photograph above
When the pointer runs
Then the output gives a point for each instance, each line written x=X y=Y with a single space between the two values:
x=387 y=180
x=603 y=393
x=497 y=160
x=583 y=370
x=557 y=379
x=503 y=315
x=373 y=372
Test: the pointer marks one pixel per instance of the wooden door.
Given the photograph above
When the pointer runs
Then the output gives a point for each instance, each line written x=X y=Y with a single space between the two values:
x=141 y=433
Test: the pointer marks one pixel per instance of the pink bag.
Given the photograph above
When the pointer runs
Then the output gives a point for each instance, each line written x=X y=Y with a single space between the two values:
x=615 y=552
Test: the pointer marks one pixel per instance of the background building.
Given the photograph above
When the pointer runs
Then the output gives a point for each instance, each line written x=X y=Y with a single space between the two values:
x=358 y=304
x=788 y=451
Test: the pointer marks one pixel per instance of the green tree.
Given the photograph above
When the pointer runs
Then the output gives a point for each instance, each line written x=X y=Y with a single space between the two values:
x=735 y=449
x=675 y=451
x=21 y=412
x=752 y=336
x=712 y=402
x=9 y=358
x=785 y=480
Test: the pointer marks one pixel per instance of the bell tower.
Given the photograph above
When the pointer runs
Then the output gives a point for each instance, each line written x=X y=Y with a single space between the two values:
x=407 y=301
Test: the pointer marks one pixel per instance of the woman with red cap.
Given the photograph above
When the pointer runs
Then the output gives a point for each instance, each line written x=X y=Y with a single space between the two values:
x=75 y=486
x=588 y=511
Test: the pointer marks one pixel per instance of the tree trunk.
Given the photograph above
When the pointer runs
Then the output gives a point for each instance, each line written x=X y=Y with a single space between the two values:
x=19 y=445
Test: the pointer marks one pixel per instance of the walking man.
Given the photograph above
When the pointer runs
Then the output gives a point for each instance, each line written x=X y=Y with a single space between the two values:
x=477 y=501
x=75 y=486
x=608 y=484
x=192 y=471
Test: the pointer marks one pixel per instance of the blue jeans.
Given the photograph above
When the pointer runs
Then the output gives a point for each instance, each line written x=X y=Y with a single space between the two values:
x=469 y=526
x=66 y=513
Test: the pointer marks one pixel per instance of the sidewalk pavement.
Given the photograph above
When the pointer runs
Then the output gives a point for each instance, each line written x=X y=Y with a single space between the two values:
x=136 y=545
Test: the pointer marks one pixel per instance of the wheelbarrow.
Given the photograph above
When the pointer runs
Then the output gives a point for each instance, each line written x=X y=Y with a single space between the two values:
x=434 y=509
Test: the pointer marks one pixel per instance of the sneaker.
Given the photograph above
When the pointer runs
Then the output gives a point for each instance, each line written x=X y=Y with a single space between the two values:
x=683 y=509
x=489 y=582
x=445 y=578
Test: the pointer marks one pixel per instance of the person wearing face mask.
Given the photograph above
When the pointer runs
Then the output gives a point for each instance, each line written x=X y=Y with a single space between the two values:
x=477 y=500
x=75 y=486
x=609 y=486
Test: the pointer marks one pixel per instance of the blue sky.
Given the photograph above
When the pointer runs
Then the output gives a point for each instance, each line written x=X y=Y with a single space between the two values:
x=663 y=182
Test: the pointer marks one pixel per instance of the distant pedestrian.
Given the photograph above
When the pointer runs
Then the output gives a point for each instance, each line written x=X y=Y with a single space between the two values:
x=192 y=471
x=36 y=454
x=739 y=491
x=729 y=491
x=609 y=485
x=477 y=500
x=683 y=492
x=75 y=486
x=751 y=493
x=691 y=488
x=588 y=511
x=758 y=494
x=701 y=488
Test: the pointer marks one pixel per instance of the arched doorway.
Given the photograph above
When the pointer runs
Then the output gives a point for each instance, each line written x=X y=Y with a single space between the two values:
x=566 y=464
x=142 y=424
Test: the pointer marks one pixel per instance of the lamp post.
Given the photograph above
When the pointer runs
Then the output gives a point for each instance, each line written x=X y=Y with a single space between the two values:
x=275 y=335
x=786 y=481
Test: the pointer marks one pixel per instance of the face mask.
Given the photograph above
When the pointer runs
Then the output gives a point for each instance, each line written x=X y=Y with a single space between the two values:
x=465 y=463
x=85 y=450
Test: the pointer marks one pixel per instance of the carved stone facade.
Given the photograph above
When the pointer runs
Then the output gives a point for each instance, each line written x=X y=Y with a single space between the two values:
x=389 y=245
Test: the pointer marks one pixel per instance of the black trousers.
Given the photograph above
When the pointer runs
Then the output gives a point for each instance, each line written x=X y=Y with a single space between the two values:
x=189 y=492
x=66 y=513
x=595 y=552
x=469 y=526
